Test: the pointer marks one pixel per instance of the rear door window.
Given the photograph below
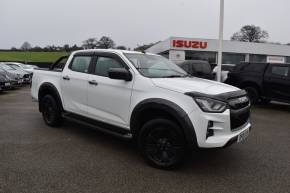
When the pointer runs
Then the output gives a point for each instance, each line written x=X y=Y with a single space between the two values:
x=282 y=71
x=81 y=64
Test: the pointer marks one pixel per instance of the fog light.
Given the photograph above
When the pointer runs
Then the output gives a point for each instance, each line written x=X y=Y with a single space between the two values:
x=209 y=131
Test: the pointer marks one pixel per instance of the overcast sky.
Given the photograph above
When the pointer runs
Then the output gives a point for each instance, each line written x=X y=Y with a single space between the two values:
x=132 y=22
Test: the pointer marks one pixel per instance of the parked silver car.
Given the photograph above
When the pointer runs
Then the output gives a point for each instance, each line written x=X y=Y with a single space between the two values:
x=21 y=66
x=21 y=73
x=15 y=79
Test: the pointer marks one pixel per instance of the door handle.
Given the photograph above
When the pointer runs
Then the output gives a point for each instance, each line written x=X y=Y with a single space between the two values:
x=93 y=82
x=66 y=77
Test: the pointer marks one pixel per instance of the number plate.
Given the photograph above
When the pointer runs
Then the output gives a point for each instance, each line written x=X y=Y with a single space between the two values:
x=243 y=135
x=7 y=84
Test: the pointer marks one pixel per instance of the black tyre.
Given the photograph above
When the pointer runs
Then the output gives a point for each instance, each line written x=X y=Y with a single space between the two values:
x=162 y=143
x=51 y=112
x=253 y=94
x=265 y=101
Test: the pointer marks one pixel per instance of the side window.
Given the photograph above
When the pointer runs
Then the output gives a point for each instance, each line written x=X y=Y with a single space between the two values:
x=186 y=68
x=280 y=70
x=104 y=64
x=81 y=63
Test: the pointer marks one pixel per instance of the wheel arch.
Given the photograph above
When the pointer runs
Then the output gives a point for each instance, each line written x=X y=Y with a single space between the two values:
x=155 y=108
x=251 y=84
x=48 y=88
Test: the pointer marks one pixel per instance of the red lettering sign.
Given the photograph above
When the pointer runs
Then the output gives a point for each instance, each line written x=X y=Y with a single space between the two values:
x=189 y=44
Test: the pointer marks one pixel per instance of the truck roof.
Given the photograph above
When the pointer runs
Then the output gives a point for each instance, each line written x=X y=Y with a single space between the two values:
x=111 y=51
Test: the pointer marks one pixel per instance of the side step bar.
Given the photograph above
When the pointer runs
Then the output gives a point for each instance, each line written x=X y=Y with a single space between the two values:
x=100 y=126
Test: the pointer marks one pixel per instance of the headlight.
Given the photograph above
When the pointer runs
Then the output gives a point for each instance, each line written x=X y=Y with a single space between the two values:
x=210 y=105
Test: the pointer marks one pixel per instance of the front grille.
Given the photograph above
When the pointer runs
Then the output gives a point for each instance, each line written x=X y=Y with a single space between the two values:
x=240 y=112
x=239 y=103
x=26 y=76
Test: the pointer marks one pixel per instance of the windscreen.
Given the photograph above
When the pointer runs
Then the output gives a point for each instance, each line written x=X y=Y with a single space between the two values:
x=154 y=66
x=6 y=67
x=26 y=67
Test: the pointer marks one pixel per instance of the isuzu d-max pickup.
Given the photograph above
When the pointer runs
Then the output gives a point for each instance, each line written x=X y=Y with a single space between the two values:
x=145 y=97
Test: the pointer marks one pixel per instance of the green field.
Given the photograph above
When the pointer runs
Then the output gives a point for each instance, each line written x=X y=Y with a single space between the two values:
x=31 y=56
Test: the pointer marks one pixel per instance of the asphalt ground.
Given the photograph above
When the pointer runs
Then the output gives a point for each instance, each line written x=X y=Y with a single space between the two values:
x=35 y=158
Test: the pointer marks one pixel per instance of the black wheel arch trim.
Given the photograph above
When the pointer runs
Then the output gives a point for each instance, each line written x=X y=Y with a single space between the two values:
x=52 y=90
x=169 y=107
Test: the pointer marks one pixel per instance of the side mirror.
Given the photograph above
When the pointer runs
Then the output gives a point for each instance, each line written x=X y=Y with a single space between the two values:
x=120 y=74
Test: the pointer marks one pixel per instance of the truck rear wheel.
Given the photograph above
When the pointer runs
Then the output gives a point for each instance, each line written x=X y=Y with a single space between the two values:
x=253 y=94
x=162 y=143
x=51 y=112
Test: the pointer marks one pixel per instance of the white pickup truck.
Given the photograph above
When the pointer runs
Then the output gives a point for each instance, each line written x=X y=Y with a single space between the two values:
x=145 y=97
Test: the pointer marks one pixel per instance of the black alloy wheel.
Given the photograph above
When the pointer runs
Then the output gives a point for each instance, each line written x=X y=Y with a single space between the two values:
x=50 y=111
x=162 y=143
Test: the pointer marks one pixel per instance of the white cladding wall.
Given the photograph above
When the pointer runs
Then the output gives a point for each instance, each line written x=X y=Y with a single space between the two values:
x=229 y=46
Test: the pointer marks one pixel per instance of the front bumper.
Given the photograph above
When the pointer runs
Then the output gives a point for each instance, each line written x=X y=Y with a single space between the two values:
x=5 y=85
x=27 y=80
x=223 y=134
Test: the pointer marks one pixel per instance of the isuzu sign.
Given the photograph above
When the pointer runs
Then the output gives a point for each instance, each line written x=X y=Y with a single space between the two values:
x=189 y=44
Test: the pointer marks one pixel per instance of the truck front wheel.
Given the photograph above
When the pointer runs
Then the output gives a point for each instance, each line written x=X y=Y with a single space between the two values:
x=51 y=112
x=253 y=94
x=162 y=143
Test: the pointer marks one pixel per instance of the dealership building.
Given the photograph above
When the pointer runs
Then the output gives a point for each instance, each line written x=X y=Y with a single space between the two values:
x=179 y=49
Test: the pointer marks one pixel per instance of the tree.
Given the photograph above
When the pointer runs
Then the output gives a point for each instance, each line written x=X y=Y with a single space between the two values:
x=25 y=46
x=75 y=47
x=66 y=47
x=36 y=49
x=121 y=48
x=106 y=43
x=90 y=43
x=250 y=33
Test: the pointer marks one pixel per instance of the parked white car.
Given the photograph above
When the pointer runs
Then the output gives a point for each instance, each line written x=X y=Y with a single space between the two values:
x=145 y=97
x=226 y=68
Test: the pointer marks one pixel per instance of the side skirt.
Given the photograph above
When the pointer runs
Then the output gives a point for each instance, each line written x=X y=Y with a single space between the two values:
x=98 y=125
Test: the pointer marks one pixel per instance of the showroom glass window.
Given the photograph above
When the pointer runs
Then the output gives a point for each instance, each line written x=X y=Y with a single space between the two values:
x=288 y=59
x=231 y=58
x=196 y=55
x=258 y=58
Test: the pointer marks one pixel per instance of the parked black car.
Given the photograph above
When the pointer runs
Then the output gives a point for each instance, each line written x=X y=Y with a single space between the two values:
x=263 y=81
x=198 y=68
